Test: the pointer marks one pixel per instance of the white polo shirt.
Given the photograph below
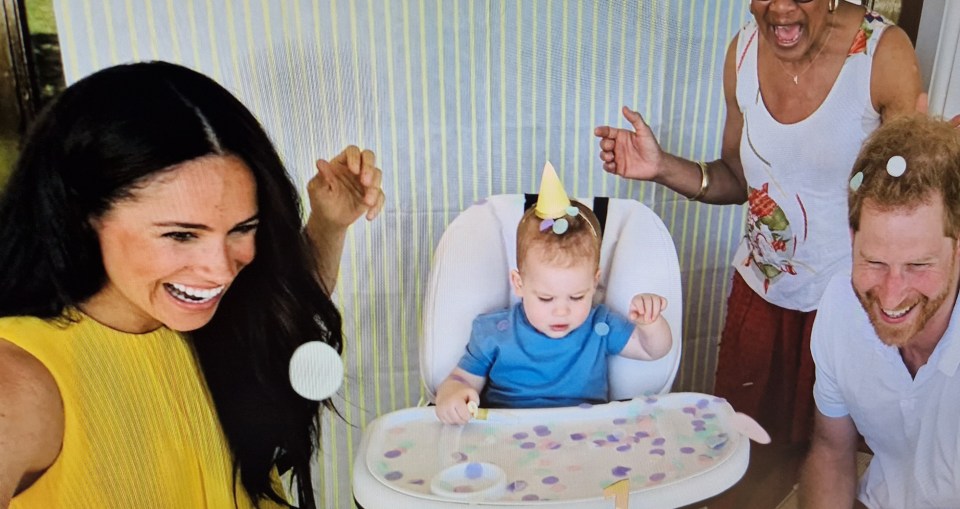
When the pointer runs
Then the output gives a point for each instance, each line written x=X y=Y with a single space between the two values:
x=912 y=424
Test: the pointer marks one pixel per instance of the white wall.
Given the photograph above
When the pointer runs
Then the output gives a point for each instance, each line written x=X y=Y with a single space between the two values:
x=937 y=43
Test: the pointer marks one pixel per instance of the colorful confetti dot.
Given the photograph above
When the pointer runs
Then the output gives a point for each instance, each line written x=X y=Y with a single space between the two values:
x=715 y=442
x=856 y=181
x=503 y=325
x=541 y=430
x=602 y=329
x=658 y=452
x=560 y=226
x=393 y=476
x=687 y=450
x=896 y=165
x=528 y=445
x=659 y=441
x=620 y=471
x=659 y=476
x=520 y=435
x=516 y=486
x=577 y=436
x=550 y=479
x=473 y=471
x=392 y=454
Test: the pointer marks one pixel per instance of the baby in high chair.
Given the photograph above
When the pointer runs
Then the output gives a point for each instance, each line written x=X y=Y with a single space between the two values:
x=551 y=348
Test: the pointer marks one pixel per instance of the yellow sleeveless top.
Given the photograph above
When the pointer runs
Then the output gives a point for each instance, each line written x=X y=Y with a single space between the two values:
x=140 y=426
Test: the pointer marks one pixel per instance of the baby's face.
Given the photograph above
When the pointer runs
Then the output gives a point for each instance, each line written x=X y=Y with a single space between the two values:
x=556 y=299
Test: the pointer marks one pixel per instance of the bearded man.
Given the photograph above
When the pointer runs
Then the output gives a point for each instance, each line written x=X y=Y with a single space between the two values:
x=886 y=341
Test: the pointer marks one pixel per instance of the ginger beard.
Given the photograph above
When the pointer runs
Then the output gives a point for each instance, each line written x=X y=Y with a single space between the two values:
x=919 y=309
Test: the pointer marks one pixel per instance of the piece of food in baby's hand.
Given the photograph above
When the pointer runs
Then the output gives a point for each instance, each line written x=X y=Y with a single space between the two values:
x=476 y=411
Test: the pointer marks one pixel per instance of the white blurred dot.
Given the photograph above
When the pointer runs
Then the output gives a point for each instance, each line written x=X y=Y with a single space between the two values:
x=856 y=181
x=896 y=165
x=316 y=370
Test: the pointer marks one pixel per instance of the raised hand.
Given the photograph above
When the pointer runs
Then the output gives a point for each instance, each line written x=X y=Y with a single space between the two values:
x=645 y=308
x=345 y=188
x=634 y=154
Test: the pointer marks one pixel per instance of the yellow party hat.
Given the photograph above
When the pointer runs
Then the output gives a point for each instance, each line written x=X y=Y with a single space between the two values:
x=553 y=201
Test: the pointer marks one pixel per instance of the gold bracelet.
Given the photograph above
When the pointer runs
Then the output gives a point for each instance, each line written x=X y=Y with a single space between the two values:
x=704 y=181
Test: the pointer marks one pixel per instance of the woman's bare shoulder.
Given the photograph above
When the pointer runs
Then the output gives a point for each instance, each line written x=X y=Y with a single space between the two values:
x=31 y=419
x=895 y=82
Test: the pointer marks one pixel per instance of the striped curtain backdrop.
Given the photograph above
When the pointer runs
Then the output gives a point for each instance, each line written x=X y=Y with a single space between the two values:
x=460 y=99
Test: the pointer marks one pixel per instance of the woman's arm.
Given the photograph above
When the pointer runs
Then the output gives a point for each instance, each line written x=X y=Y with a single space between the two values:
x=636 y=154
x=31 y=420
x=895 y=80
x=344 y=188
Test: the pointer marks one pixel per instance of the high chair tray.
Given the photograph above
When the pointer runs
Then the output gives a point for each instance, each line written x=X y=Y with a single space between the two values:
x=673 y=450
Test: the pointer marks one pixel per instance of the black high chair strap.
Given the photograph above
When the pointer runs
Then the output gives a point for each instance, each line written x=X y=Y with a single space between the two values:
x=529 y=200
x=600 y=204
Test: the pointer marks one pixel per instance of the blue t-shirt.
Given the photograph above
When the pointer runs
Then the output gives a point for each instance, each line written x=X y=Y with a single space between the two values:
x=527 y=369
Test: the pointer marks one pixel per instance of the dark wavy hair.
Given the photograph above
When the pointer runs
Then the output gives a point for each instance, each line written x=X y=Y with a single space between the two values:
x=92 y=146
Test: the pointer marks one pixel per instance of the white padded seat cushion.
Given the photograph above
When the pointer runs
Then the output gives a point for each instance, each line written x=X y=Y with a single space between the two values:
x=470 y=273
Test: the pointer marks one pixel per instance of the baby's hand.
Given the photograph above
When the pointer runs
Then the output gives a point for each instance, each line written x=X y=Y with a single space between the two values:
x=452 y=404
x=645 y=308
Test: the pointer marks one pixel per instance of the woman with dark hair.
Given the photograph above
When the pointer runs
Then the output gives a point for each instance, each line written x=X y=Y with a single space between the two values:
x=155 y=280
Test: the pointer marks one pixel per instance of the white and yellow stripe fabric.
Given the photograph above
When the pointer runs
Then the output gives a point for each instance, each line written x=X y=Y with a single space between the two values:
x=460 y=99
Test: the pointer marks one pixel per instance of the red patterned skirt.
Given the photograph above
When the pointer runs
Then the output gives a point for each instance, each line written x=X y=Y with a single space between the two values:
x=764 y=368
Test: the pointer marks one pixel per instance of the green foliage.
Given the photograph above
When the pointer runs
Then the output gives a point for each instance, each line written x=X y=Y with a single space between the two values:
x=40 y=17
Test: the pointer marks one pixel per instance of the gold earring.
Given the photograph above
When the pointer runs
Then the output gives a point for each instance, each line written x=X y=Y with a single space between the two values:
x=832 y=5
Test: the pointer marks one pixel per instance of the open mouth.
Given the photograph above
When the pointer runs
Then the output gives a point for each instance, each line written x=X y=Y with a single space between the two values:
x=559 y=328
x=193 y=295
x=787 y=35
x=896 y=314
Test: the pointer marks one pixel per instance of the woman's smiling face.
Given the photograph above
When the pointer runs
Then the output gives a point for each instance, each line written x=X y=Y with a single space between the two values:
x=172 y=250
x=791 y=27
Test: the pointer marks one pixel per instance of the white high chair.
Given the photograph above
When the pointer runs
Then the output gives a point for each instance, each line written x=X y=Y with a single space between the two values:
x=408 y=459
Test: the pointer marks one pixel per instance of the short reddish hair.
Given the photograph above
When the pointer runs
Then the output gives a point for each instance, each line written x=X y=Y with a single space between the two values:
x=931 y=149
x=580 y=242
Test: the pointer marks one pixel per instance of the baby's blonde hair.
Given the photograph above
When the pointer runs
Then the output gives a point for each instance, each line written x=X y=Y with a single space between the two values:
x=581 y=240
